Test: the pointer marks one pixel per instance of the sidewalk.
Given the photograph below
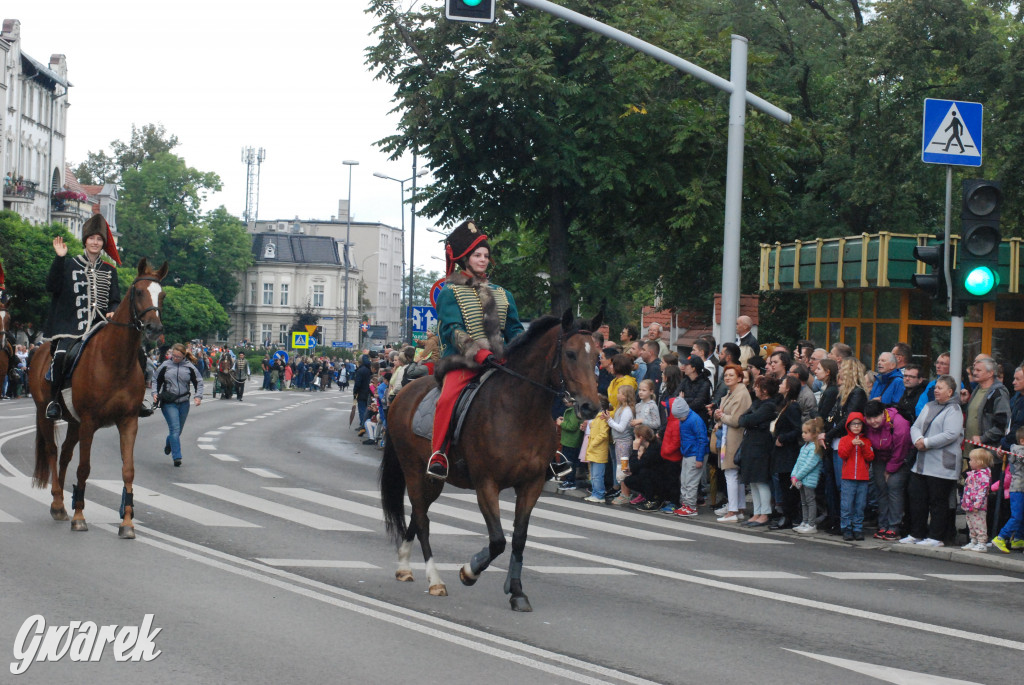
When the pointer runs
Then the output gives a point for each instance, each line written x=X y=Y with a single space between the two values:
x=1010 y=563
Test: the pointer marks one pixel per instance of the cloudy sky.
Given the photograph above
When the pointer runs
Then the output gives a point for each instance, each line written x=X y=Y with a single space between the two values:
x=225 y=74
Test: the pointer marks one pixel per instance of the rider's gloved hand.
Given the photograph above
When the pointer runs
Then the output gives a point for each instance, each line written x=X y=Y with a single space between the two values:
x=482 y=356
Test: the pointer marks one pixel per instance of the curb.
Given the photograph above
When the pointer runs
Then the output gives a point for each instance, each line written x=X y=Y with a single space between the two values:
x=994 y=559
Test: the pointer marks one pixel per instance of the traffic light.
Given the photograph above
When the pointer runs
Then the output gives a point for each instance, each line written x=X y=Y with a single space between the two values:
x=481 y=11
x=934 y=282
x=977 y=274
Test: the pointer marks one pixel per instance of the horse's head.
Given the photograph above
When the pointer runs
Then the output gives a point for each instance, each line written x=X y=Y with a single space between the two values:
x=575 y=366
x=146 y=297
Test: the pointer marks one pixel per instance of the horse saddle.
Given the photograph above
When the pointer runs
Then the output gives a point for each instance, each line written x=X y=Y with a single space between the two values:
x=72 y=356
x=423 y=416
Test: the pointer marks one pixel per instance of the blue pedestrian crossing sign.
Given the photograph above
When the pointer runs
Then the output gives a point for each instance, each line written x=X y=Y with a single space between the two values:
x=951 y=133
x=300 y=340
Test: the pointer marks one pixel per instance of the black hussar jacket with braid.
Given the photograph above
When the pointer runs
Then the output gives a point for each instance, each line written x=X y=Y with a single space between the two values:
x=82 y=294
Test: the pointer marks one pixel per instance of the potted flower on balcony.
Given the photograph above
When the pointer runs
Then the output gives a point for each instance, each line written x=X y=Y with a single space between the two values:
x=71 y=195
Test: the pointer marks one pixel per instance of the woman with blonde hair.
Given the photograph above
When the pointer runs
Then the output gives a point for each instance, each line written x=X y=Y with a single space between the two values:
x=852 y=398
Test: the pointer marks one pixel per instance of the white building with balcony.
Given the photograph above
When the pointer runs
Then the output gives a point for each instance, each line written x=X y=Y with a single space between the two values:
x=34 y=124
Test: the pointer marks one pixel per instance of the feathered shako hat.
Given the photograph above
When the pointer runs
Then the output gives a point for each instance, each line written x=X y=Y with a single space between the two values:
x=461 y=242
x=97 y=225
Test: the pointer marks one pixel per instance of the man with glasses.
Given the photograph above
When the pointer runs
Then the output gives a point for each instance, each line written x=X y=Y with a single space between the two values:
x=816 y=357
x=913 y=389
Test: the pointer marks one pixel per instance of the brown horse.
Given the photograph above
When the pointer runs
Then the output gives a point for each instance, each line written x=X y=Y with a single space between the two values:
x=226 y=376
x=7 y=359
x=508 y=440
x=107 y=389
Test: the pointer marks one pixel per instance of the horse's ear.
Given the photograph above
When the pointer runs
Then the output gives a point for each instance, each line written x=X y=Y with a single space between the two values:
x=142 y=267
x=567 y=320
x=162 y=272
x=598 y=319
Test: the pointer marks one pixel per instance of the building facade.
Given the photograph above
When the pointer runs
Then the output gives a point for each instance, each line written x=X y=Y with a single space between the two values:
x=34 y=125
x=375 y=263
x=290 y=271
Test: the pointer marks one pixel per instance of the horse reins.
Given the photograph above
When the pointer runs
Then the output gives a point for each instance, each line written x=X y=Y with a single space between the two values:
x=136 y=316
x=567 y=397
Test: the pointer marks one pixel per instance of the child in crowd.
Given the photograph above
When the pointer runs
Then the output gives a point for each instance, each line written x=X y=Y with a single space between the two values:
x=597 y=452
x=571 y=439
x=1012 y=534
x=647 y=409
x=856 y=452
x=622 y=437
x=805 y=475
x=975 y=499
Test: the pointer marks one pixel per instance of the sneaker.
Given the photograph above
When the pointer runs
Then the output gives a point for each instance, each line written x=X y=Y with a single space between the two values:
x=667 y=508
x=848 y=535
x=979 y=547
x=685 y=510
x=594 y=500
x=613 y=493
x=649 y=506
x=722 y=511
x=1016 y=544
x=969 y=547
x=741 y=516
x=879 y=534
x=799 y=527
x=808 y=530
x=637 y=499
x=999 y=543
x=620 y=500
x=891 y=536
x=562 y=487
x=930 y=542
x=909 y=540
x=728 y=518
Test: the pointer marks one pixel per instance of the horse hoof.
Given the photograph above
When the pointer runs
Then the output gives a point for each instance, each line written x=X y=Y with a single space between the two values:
x=439 y=590
x=59 y=514
x=520 y=604
x=126 y=532
x=79 y=526
x=403 y=576
x=466 y=580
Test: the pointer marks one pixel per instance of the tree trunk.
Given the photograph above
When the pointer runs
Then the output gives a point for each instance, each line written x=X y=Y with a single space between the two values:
x=558 y=254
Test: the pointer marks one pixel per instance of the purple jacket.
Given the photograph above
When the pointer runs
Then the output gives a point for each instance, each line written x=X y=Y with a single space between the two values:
x=891 y=440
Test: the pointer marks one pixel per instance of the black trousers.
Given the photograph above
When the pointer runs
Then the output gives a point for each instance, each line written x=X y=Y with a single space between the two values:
x=929 y=506
x=239 y=389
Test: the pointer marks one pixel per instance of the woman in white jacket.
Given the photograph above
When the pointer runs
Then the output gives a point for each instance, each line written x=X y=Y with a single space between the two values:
x=937 y=434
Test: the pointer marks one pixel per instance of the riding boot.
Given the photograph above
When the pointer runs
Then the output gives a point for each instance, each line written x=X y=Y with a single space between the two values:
x=437 y=467
x=56 y=385
x=146 y=408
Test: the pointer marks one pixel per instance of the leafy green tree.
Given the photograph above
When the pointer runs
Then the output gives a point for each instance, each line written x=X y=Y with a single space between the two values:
x=422 y=280
x=191 y=312
x=27 y=252
x=145 y=143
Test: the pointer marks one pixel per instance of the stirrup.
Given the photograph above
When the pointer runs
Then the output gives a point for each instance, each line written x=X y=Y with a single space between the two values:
x=437 y=466
x=53 y=410
x=561 y=468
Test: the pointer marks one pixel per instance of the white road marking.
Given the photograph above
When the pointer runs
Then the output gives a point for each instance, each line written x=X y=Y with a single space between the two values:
x=754 y=575
x=359 y=509
x=263 y=473
x=205 y=439
x=223 y=457
x=578 y=521
x=7 y=518
x=855 y=575
x=975 y=578
x=225 y=428
x=658 y=521
x=886 y=673
x=240 y=423
x=580 y=570
x=317 y=563
x=303 y=518
x=206 y=446
x=172 y=505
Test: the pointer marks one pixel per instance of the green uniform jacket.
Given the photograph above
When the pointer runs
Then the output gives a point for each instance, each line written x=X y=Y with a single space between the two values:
x=458 y=309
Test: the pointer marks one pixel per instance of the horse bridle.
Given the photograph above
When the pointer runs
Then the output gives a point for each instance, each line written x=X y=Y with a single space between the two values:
x=136 y=316
x=563 y=390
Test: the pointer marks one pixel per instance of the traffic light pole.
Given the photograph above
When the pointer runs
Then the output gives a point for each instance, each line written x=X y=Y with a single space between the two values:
x=956 y=315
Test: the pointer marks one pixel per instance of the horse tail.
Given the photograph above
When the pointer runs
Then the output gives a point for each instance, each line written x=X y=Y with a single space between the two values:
x=41 y=473
x=392 y=492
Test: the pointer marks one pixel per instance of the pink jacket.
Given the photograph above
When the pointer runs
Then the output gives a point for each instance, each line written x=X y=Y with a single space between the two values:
x=976 y=490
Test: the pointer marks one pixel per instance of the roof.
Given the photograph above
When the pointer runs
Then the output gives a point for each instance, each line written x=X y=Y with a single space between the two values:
x=42 y=72
x=71 y=183
x=295 y=248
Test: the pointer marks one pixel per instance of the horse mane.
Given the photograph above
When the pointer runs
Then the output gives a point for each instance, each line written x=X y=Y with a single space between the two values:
x=537 y=329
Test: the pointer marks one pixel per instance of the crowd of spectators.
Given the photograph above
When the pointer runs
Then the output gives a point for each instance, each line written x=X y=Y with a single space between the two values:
x=821 y=443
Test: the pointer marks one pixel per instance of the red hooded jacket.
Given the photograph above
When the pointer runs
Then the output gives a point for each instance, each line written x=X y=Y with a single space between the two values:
x=855 y=457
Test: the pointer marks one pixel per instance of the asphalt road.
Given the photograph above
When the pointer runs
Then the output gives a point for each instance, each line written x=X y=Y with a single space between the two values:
x=263 y=560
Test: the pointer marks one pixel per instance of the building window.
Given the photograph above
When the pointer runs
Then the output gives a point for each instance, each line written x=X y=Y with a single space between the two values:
x=284 y=294
x=268 y=293
x=267 y=331
x=252 y=292
x=318 y=296
x=283 y=335
x=252 y=332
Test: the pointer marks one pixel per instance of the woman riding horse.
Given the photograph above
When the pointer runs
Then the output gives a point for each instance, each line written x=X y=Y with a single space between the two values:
x=475 y=320
x=85 y=294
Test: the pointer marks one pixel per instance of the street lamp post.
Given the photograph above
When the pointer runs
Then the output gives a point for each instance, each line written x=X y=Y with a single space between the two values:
x=348 y=236
x=412 y=265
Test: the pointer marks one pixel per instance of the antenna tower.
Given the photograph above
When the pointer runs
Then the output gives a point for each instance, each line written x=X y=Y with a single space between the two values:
x=253 y=159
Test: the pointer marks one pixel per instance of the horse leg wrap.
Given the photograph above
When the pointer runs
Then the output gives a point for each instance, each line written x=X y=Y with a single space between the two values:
x=126 y=501
x=77 y=497
x=480 y=561
x=515 y=572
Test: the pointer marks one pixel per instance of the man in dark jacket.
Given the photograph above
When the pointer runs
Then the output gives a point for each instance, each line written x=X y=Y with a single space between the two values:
x=913 y=386
x=361 y=389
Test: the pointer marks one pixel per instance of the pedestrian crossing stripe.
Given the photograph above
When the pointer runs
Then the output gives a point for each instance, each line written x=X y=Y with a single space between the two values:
x=262 y=473
x=7 y=518
x=265 y=506
x=149 y=499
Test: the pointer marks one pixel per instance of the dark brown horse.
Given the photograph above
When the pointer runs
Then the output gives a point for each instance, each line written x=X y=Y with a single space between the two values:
x=508 y=440
x=107 y=389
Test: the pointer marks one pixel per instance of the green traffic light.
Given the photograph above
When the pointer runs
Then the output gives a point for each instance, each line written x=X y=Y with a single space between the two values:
x=980 y=281
x=471 y=3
